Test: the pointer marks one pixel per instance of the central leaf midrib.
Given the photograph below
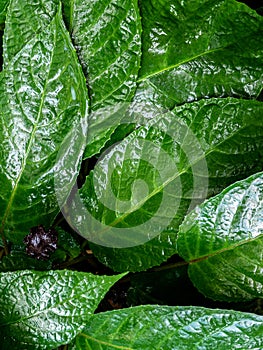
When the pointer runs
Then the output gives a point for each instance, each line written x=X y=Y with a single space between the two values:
x=32 y=137
x=104 y=342
x=166 y=183
x=223 y=250
x=178 y=64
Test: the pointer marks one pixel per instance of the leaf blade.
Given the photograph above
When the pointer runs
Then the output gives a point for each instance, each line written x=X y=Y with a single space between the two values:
x=108 y=38
x=43 y=310
x=195 y=51
x=23 y=21
x=222 y=239
x=43 y=108
x=225 y=148
x=159 y=327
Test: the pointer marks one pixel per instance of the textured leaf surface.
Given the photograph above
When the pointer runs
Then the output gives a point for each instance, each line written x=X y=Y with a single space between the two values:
x=199 y=49
x=163 y=327
x=223 y=239
x=108 y=38
x=42 y=310
x=24 y=19
x=171 y=157
x=43 y=99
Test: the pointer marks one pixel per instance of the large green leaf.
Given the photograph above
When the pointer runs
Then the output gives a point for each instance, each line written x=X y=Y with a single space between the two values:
x=199 y=49
x=24 y=19
x=42 y=310
x=43 y=100
x=164 y=327
x=149 y=181
x=108 y=39
x=223 y=239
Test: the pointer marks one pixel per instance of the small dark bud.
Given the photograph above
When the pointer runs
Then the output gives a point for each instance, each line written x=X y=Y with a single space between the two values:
x=40 y=243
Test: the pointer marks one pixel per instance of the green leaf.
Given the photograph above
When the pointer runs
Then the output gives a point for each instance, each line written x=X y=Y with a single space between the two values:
x=3 y=10
x=68 y=247
x=43 y=101
x=164 y=327
x=207 y=144
x=67 y=7
x=68 y=243
x=108 y=39
x=42 y=310
x=23 y=21
x=199 y=49
x=18 y=260
x=222 y=240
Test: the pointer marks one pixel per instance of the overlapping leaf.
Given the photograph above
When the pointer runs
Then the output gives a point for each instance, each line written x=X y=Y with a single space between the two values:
x=108 y=39
x=42 y=310
x=43 y=99
x=223 y=240
x=184 y=328
x=23 y=21
x=209 y=143
x=199 y=49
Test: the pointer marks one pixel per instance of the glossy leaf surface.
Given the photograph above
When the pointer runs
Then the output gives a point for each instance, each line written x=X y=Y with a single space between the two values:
x=164 y=327
x=42 y=310
x=43 y=99
x=25 y=19
x=223 y=239
x=199 y=49
x=108 y=39
x=198 y=146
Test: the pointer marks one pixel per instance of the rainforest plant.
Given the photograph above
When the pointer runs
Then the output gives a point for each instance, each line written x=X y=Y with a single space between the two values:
x=131 y=158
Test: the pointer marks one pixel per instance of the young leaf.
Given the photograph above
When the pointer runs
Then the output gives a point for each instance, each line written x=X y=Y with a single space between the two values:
x=108 y=39
x=42 y=310
x=199 y=49
x=149 y=181
x=43 y=100
x=25 y=19
x=166 y=327
x=222 y=240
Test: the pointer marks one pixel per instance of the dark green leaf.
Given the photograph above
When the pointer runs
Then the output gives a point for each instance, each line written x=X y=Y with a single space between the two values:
x=3 y=10
x=67 y=243
x=67 y=7
x=203 y=145
x=163 y=327
x=223 y=239
x=199 y=49
x=68 y=247
x=42 y=310
x=43 y=100
x=18 y=260
x=108 y=39
x=24 y=19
